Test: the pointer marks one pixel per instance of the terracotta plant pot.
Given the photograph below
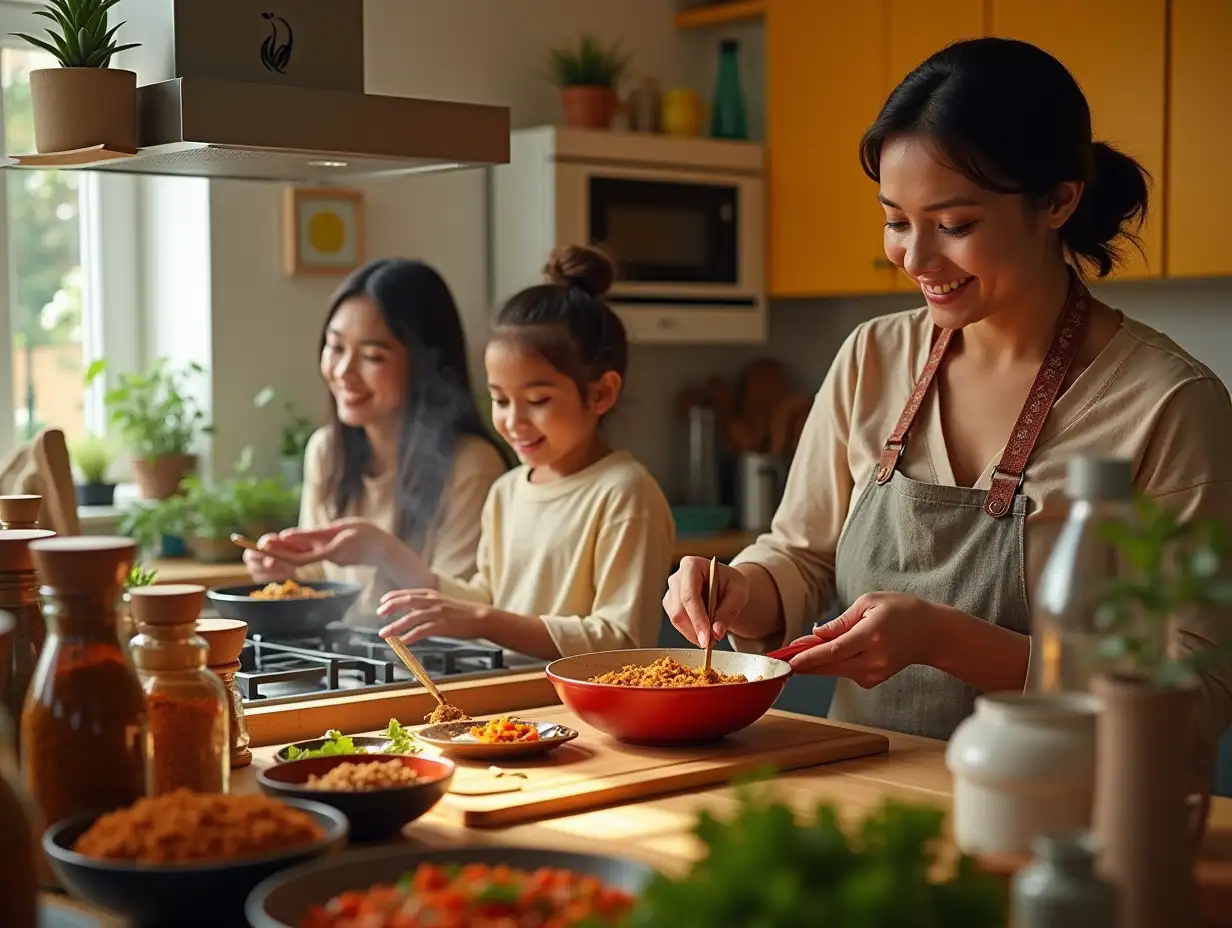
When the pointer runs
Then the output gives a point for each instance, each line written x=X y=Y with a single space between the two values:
x=215 y=550
x=1142 y=815
x=80 y=107
x=588 y=107
x=159 y=478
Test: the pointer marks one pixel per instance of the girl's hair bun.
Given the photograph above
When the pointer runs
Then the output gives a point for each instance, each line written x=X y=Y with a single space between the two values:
x=587 y=269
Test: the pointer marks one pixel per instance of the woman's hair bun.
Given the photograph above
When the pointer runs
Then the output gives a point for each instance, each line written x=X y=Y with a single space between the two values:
x=588 y=269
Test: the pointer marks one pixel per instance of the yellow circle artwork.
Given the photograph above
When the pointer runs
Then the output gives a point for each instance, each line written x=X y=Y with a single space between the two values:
x=327 y=232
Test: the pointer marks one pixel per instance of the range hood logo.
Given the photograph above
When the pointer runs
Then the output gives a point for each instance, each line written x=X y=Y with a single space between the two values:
x=276 y=53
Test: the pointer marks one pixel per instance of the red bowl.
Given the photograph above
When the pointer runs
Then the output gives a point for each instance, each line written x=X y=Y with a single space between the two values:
x=684 y=715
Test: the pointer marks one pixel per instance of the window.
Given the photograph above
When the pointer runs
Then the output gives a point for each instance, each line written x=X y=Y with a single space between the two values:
x=68 y=251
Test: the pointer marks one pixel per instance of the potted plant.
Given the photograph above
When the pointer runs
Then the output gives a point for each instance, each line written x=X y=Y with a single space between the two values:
x=92 y=457
x=293 y=438
x=84 y=102
x=212 y=517
x=587 y=75
x=769 y=868
x=159 y=420
x=1144 y=813
x=158 y=527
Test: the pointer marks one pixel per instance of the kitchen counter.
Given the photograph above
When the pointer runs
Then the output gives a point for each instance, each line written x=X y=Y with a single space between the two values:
x=657 y=831
x=723 y=545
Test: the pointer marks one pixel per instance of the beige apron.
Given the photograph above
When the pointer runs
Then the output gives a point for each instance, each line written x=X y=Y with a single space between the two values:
x=956 y=546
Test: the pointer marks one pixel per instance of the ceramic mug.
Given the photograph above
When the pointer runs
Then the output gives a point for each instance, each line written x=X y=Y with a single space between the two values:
x=1022 y=764
x=683 y=112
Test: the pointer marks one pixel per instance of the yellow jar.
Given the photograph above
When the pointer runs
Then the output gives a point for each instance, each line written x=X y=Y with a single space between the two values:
x=683 y=112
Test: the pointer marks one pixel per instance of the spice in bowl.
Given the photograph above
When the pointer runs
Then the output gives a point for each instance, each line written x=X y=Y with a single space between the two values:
x=666 y=673
x=354 y=778
x=184 y=827
x=504 y=731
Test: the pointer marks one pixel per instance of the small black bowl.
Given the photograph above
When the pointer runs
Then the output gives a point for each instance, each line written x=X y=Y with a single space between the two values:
x=373 y=814
x=209 y=893
x=282 y=901
x=285 y=618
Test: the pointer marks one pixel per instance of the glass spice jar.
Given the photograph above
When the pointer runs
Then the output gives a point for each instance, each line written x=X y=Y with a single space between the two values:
x=19 y=831
x=19 y=511
x=83 y=723
x=188 y=745
x=19 y=596
x=226 y=640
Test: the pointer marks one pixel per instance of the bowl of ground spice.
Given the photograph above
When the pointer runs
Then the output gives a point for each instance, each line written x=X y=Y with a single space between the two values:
x=185 y=858
x=378 y=793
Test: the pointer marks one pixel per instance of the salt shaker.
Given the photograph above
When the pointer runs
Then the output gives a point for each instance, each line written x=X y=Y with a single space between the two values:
x=1060 y=888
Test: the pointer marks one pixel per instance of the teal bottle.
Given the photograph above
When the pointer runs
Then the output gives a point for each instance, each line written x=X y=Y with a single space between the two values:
x=727 y=114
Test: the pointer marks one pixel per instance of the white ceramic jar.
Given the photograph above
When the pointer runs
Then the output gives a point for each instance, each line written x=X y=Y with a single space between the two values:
x=1022 y=764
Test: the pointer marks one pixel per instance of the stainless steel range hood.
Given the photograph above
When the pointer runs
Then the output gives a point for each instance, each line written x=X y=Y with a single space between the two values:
x=274 y=90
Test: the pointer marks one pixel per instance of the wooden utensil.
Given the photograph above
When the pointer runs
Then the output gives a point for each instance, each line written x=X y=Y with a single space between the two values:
x=412 y=664
x=295 y=560
x=714 y=562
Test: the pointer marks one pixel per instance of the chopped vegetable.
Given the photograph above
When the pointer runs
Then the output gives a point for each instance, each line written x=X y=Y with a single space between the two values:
x=504 y=731
x=398 y=741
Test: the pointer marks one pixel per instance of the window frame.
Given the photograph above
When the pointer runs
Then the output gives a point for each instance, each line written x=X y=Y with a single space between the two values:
x=108 y=218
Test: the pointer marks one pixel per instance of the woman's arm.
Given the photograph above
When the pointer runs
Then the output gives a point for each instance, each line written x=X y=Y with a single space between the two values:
x=983 y=655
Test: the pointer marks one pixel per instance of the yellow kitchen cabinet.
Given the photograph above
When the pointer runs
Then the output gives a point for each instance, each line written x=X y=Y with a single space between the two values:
x=1117 y=50
x=829 y=66
x=1198 y=185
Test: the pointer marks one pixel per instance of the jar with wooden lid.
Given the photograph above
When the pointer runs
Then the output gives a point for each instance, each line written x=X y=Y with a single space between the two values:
x=84 y=720
x=19 y=511
x=19 y=596
x=19 y=849
x=226 y=640
x=187 y=745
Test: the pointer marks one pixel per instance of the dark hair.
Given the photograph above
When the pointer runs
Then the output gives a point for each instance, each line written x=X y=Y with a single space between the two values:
x=566 y=320
x=1010 y=118
x=417 y=307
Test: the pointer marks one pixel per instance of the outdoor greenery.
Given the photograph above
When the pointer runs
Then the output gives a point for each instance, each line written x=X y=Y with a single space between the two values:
x=296 y=428
x=82 y=37
x=1174 y=567
x=92 y=456
x=587 y=64
x=154 y=411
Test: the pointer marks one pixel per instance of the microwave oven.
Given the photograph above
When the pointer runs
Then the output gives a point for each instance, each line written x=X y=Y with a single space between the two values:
x=681 y=218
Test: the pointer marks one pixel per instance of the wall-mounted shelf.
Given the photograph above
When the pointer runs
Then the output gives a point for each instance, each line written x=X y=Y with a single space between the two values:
x=731 y=11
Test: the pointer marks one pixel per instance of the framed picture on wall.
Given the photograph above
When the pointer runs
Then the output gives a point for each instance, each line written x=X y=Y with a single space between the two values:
x=323 y=231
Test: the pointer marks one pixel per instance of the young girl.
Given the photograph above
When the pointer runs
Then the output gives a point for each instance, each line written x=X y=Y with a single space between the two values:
x=406 y=454
x=576 y=543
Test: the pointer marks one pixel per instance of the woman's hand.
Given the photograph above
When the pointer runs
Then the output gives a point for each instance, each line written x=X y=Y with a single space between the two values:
x=687 y=591
x=426 y=613
x=874 y=639
x=265 y=566
x=345 y=542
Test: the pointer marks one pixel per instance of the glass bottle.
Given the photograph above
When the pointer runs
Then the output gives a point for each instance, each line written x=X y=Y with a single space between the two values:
x=1060 y=888
x=188 y=743
x=19 y=511
x=1065 y=636
x=19 y=596
x=19 y=848
x=83 y=723
x=225 y=638
x=727 y=113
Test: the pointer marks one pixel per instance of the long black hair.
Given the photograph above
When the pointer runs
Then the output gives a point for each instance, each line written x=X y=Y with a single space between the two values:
x=1011 y=118
x=419 y=311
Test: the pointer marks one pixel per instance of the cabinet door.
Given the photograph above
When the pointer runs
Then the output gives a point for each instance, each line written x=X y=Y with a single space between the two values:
x=1117 y=50
x=917 y=30
x=825 y=61
x=1199 y=187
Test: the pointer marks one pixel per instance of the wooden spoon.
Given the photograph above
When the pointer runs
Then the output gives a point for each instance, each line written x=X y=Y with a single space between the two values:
x=714 y=561
x=445 y=711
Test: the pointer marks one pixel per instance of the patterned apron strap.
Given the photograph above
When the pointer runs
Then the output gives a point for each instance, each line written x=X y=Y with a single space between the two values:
x=897 y=442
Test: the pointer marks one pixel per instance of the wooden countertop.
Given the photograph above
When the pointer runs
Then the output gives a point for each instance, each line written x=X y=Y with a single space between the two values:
x=724 y=545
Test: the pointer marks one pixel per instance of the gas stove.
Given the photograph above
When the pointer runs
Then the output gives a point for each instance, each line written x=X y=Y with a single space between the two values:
x=349 y=657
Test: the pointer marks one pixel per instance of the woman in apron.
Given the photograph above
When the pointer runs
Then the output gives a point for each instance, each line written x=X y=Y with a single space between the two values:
x=940 y=434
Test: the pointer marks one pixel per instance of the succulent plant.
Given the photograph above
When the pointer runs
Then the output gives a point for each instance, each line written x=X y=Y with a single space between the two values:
x=588 y=64
x=82 y=37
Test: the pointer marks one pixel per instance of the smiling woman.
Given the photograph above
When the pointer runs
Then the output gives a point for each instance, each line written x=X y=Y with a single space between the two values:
x=920 y=511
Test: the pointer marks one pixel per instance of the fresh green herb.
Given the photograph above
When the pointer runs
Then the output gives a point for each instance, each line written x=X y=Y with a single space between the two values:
x=401 y=741
x=766 y=868
x=140 y=576
x=1174 y=567
x=82 y=38
x=154 y=412
x=589 y=64
x=398 y=741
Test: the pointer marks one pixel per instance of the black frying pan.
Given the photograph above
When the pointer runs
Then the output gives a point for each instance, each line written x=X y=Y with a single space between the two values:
x=285 y=618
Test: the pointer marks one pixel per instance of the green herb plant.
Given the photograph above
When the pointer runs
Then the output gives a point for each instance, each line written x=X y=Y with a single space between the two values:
x=296 y=428
x=769 y=869
x=588 y=64
x=92 y=456
x=1173 y=567
x=147 y=523
x=82 y=37
x=140 y=576
x=398 y=741
x=263 y=503
x=154 y=411
x=212 y=511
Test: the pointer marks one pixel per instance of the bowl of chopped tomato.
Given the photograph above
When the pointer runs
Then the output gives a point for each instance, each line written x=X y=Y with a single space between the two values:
x=478 y=887
x=495 y=739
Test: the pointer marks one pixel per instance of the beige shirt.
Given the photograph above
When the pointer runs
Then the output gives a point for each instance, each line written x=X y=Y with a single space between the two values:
x=589 y=554
x=1143 y=398
x=450 y=546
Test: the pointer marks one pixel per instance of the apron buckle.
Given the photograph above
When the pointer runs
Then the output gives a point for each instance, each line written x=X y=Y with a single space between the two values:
x=999 y=499
x=890 y=455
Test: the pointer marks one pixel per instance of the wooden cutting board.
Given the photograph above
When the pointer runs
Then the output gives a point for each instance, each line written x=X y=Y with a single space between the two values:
x=596 y=770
